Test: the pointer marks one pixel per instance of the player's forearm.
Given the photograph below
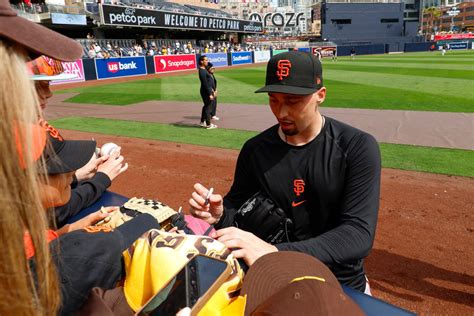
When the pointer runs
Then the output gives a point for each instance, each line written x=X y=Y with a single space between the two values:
x=345 y=243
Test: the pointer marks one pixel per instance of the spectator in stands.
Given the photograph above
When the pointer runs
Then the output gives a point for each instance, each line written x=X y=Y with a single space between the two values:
x=90 y=36
x=91 y=52
x=97 y=48
x=109 y=47
x=118 y=51
x=100 y=54
x=152 y=50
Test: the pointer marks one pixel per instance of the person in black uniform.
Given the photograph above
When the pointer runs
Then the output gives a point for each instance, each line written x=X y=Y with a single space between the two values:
x=210 y=68
x=323 y=173
x=207 y=93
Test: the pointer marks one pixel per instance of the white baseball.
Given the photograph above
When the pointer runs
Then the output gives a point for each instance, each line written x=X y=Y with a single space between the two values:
x=108 y=149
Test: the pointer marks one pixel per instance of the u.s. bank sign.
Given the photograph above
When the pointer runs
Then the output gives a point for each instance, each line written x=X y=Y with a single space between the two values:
x=136 y=17
x=288 y=19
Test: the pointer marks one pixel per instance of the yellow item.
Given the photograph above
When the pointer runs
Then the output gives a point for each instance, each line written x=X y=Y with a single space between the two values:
x=157 y=256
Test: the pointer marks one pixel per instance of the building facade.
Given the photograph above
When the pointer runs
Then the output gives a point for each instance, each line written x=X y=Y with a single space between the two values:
x=442 y=19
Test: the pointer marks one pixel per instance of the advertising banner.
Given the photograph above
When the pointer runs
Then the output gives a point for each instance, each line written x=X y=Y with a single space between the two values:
x=120 y=67
x=279 y=51
x=326 y=51
x=240 y=58
x=69 y=19
x=458 y=45
x=218 y=59
x=453 y=36
x=138 y=17
x=169 y=63
x=304 y=49
x=72 y=67
x=261 y=56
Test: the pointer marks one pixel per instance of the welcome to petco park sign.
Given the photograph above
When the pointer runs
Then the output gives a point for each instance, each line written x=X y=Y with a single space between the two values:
x=136 y=17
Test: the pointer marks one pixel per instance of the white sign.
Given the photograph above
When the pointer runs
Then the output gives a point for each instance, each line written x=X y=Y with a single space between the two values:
x=453 y=12
x=261 y=56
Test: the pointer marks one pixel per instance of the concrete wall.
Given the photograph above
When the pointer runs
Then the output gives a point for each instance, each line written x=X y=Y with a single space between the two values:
x=366 y=24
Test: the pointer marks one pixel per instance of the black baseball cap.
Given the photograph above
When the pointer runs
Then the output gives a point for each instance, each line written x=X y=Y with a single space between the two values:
x=63 y=156
x=293 y=72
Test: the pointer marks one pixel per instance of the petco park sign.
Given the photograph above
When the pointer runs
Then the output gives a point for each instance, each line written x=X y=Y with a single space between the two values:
x=136 y=17
x=174 y=63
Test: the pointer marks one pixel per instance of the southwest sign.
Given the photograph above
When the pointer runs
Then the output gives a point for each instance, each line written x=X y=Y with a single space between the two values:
x=137 y=17
x=240 y=58
x=169 y=63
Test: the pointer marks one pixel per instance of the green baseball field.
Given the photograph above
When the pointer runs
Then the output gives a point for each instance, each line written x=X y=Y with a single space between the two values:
x=423 y=81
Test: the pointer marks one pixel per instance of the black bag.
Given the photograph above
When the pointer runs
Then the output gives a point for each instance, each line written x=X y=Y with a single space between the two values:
x=260 y=216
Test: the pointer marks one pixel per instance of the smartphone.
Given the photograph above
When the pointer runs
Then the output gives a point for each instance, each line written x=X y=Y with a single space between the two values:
x=191 y=287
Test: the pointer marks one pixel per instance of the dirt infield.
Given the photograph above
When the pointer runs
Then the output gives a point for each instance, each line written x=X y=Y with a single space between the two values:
x=421 y=259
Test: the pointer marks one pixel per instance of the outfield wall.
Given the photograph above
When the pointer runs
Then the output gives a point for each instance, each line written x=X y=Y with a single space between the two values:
x=103 y=69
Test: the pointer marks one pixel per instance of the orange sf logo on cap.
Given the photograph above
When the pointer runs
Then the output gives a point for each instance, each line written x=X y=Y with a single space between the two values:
x=51 y=130
x=45 y=66
x=283 y=71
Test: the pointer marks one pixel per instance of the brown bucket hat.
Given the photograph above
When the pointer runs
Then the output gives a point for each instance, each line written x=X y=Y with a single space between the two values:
x=36 y=38
x=286 y=280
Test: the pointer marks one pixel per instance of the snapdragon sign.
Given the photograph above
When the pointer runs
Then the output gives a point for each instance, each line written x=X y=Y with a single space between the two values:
x=130 y=16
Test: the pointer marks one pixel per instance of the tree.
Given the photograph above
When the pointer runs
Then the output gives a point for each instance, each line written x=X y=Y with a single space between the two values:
x=431 y=15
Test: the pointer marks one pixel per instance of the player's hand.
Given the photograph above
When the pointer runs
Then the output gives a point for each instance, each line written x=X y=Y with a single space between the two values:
x=113 y=165
x=243 y=244
x=89 y=170
x=89 y=220
x=211 y=97
x=211 y=212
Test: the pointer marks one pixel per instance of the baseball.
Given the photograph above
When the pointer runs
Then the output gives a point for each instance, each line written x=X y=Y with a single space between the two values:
x=108 y=149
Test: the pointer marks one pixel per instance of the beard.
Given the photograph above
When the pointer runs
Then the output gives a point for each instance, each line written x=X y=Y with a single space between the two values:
x=291 y=131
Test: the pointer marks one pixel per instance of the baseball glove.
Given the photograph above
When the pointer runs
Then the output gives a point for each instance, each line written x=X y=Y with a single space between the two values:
x=164 y=214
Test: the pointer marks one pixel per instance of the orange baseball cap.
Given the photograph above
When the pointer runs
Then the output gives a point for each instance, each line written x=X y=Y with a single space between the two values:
x=45 y=68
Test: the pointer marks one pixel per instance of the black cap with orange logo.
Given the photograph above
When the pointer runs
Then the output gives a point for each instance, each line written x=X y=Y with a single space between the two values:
x=63 y=156
x=293 y=72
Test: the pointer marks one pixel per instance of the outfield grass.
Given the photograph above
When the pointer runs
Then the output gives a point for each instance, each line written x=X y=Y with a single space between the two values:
x=427 y=159
x=423 y=81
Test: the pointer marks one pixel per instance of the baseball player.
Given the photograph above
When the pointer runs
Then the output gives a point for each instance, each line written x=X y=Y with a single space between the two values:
x=324 y=174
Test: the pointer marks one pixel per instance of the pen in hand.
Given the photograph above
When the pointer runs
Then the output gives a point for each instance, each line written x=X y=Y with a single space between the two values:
x=208 y=196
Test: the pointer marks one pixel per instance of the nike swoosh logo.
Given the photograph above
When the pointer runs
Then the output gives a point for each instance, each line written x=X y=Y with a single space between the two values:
x=295 y=204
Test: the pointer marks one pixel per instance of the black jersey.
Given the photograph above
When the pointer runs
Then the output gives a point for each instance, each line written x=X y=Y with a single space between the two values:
x=206 y=82
x=330 y=188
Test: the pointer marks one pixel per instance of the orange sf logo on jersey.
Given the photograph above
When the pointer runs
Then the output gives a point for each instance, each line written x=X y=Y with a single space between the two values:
x=284 y=67
x=298 y=186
